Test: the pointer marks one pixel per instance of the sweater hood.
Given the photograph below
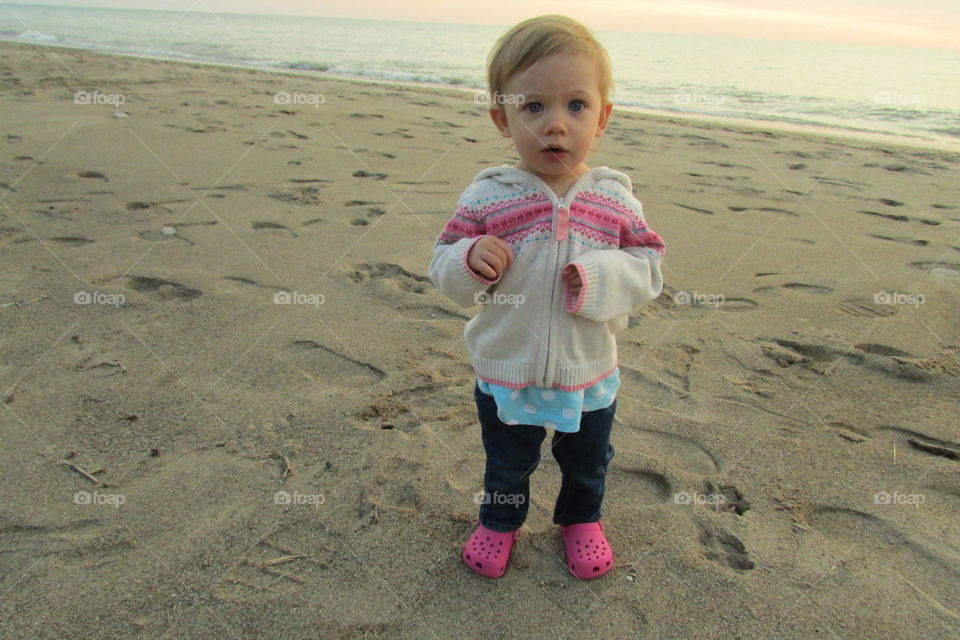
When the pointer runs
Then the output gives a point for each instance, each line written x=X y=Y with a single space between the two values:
x=508 y=175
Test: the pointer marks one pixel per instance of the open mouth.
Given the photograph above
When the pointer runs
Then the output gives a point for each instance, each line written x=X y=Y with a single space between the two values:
x=555 y=152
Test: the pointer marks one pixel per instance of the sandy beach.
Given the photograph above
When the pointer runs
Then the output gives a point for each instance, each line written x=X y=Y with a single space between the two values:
x=234 y=405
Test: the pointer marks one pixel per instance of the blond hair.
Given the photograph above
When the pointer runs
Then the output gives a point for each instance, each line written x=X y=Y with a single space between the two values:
x=529 y=41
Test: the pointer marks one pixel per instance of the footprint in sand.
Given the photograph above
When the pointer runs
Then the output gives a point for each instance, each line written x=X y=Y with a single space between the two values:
x=227 y=187
x=372 y=214
x=148 y=207
x=726 y=549
x=706 y=212
x=947 y=269
x=640 y=487
x=680 y=451
x=253 y=283
x=765 y=210
x=878 y=557
x=92 y=175
x=87 y=541
x=360 y=203
x=274 y=226
x=725 y=497
x=430 y=312
x=882 y=350
x=382 y=154
x=901 y=239
x=871 y=357
x=900 y=217
x=164 y=290
x=392 y=279
x=927 y=445
x=897 y=168
x=711 y=302
x=414 y=184
x=835 y=182
x=866 y=308
x=802 y=287
x=732 y=305
x=307 y=196
x=327 y=367
x=399 y=133
x=72 y=241
x=728 y=165
x=363 y=173
x=394 y=486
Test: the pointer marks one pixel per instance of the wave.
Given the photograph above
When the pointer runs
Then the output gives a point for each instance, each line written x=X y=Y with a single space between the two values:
x=400 y=76
x=29 y=35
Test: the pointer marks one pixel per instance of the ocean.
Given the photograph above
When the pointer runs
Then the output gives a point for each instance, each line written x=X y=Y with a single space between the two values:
x=860 y=90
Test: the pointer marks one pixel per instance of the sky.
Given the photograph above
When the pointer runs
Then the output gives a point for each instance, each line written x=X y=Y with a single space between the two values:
x=918 y=23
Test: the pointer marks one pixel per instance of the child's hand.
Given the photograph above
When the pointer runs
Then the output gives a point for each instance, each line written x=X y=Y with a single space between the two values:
x=490 y=257
x=572 y=277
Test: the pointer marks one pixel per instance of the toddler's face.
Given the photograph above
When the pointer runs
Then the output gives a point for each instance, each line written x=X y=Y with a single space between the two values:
x=553 y=111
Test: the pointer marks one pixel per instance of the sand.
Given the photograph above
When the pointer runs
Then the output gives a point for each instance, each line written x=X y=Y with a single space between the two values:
x=786 y=440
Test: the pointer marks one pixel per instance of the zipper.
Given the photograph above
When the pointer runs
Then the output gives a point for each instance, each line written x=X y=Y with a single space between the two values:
x=560 y=234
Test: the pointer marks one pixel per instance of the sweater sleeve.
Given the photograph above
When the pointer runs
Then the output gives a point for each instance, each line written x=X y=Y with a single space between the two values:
x=615 y=282
x=449 y=270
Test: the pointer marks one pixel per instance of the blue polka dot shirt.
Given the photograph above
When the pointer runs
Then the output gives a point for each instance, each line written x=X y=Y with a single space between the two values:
x=549 y=407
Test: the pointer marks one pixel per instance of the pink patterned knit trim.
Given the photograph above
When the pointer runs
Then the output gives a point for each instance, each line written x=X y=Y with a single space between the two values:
x=570 y=303
x=524 y=385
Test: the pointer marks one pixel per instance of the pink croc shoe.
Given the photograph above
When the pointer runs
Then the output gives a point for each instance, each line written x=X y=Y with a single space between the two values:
x=588 y=553
x=487 y=551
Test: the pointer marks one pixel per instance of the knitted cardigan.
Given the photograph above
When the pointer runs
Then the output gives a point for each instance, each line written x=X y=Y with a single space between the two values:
x=530 y=329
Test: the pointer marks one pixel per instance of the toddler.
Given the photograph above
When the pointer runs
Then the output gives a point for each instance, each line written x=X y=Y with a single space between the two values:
x=558 y=255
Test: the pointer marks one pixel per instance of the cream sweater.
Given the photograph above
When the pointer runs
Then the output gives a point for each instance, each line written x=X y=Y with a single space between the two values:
x=531 y=330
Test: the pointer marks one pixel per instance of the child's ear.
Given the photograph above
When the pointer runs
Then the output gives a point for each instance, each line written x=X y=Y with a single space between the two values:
x=499 y=117
x=604 y=117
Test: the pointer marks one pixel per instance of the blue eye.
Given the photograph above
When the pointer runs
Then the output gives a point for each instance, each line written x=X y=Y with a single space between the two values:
x=578 y=105
x=534 y=107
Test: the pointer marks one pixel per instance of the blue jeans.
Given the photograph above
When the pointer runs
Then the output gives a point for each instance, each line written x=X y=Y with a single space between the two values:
x=513 y=452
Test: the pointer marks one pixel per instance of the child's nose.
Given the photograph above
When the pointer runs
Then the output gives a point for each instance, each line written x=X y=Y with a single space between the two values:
x=556 y=123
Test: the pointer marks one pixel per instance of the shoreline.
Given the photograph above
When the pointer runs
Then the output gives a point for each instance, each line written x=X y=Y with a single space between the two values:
x=825 y=133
